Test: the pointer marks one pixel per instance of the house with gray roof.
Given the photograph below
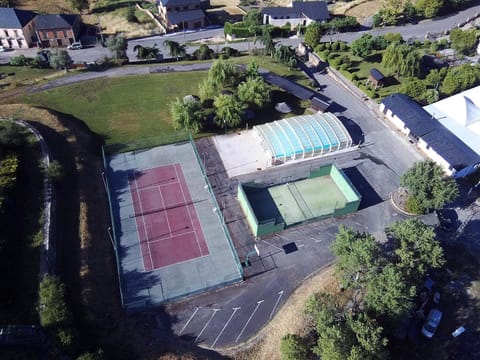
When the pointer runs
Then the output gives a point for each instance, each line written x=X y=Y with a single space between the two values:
x=17 y=28
x=298 y=13
x=180 y=15
x=57 y=30
x=424 y=130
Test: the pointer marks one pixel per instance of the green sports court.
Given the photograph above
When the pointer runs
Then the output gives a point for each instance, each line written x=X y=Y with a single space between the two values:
x=325 y=193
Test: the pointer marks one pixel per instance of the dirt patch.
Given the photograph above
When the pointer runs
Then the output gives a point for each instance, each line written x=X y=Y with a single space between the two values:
x=364 y=10
x=45 y=6
x=289 y=320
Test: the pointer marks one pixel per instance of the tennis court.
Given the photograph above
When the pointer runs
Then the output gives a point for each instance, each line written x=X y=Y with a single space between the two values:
x=168 y=232
x=167 y=222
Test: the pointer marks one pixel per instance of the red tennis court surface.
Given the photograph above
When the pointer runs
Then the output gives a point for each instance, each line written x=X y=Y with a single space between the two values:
x=167 y=222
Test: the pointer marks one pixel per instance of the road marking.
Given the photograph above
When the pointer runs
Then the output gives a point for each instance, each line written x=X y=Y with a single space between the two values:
x=276 y=247
x=188 y=322
x=208 y=322
x=250 y=318
x=300 y=245
x=226 y=324
x=280 y=293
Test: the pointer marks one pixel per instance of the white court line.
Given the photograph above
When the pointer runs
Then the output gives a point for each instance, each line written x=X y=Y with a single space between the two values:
x=250 y=318
x=188 y=322
x=188 y=211
x=208 y=322
x=166 y=216
x=226 y=324
x=280 y=293
x=172 y=236
x=143 y=221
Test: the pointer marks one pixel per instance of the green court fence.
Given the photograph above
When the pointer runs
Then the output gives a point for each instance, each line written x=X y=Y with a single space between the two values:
x=112 y=231
x=214 y=199
x=148 y=142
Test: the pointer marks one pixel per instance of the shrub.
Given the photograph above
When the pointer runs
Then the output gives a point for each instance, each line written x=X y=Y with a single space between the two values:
x=343 y=46
x=344 y=67
x=328 y=46
x=335 y=46
x=21 y=60
x=320 y=47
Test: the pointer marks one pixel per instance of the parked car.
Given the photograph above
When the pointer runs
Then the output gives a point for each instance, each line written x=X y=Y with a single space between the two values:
x=431 y=325
x=2 y=48
x=75 y=46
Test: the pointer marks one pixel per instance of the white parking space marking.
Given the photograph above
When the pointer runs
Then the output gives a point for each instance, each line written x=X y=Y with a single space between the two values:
x=208 y=322
x=188 y=322
x=248 y=321
x=226 y=324
x=275 y=247
x=280 y=293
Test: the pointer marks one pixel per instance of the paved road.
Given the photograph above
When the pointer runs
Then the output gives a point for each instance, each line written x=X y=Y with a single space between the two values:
x=96 y=52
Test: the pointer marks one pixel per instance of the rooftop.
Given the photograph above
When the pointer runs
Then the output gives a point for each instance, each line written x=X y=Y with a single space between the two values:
x=11 y=18
x=55 y=21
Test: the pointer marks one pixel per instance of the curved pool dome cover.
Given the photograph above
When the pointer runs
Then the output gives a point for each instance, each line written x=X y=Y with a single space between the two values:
x=303 y=136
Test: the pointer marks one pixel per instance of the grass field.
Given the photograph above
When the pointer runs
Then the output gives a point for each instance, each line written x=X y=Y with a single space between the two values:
x=122 y=109
x=13 y=76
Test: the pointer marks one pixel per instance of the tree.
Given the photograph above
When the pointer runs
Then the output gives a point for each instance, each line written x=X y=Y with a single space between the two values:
x=293 y=347
x=254 y=92
x=59 y=59
x=53 y=310
x=267 y=40
x=435 y=77
x=357 y=256
x=460 y=78
x=387 y=292
x=391 y=12
x=175 y=49
x=463 y=41
x=416 y=248
x=207 y=89
x=426 y=182
x=402 y=59
x=146 y=53
x=188 y=115
x=92 y=356
x=429 y=8
x=228 y=110
x=284 y=54
x=416 y=89
x=117 y=44
x=253 y=20
x=313 y=34
x=224 y=73
x=341 y=334
x=362 y=46
x=79 y=5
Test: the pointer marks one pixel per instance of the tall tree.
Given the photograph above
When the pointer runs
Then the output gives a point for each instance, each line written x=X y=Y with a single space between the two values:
x=267 y=40
x=357 y=256
x=402 y=59
x=117 y=44
x=313 y=34
x=146 y=53
x=416 y=248
x=175 y=49
x=224 y=73
x=228 y=110
x=59 y=59
x=388 y=293
x=460 y=78
x=427 y=183
x=254 y=92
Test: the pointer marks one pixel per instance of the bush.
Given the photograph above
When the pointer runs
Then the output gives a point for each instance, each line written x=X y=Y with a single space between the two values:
x=343 y=46
x=334 y=46
x=344 y=67
x=414 y=206
x=328 y=46
x=21 y=60
x=320 y=47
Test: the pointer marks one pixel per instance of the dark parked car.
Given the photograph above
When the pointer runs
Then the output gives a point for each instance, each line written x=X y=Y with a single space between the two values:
x=431 y=325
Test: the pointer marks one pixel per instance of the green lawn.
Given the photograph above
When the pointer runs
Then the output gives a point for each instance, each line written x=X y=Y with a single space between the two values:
x=122 y=109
